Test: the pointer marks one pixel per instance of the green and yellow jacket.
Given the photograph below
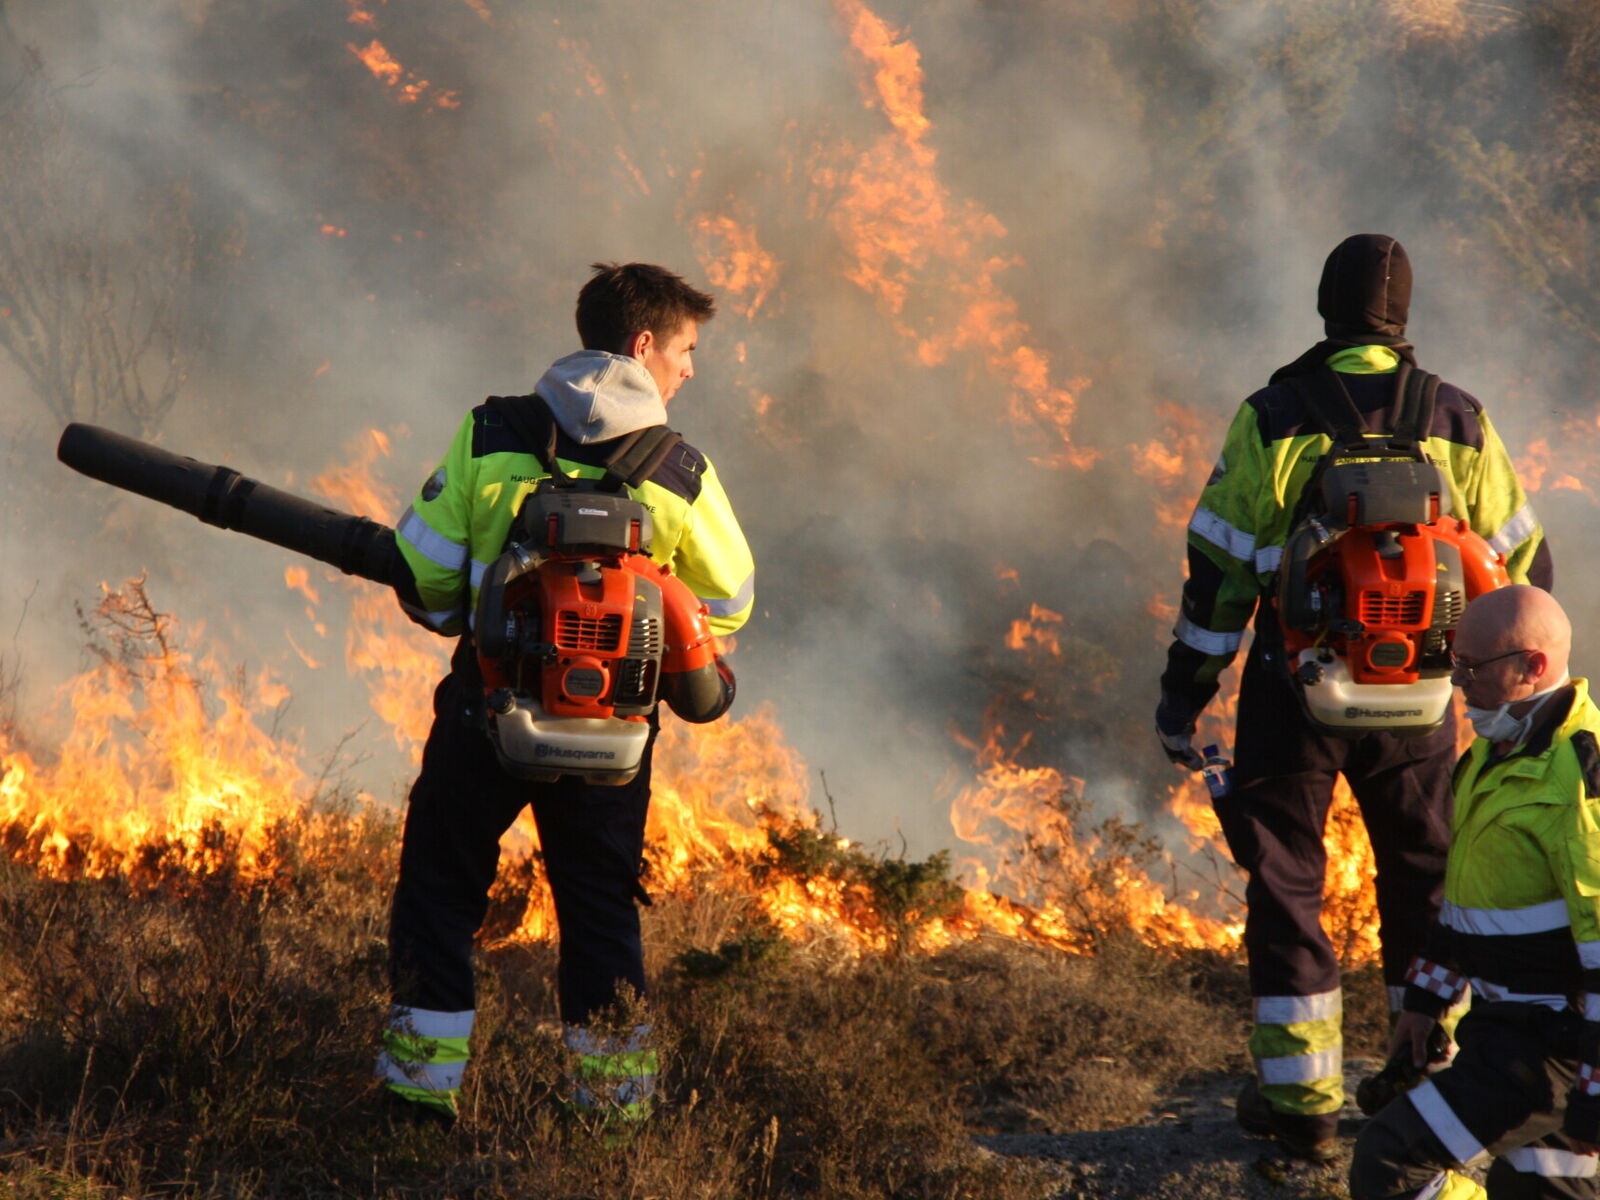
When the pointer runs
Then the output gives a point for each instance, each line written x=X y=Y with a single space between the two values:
x=1244 y=515
x=1521 y=914
x=458 y=522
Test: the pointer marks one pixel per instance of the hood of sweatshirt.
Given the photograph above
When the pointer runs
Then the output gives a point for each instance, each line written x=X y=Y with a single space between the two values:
x=595 y=395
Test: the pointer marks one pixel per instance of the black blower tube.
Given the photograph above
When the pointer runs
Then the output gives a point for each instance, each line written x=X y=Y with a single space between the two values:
x=222 y=497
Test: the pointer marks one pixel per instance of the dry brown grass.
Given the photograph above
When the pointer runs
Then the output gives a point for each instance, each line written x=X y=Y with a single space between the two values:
x=198 y=1030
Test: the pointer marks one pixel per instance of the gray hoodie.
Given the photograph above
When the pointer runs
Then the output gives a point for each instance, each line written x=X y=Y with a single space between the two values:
x=596 y=395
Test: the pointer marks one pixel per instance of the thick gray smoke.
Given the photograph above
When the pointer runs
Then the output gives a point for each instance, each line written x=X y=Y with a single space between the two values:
x=1153 y=190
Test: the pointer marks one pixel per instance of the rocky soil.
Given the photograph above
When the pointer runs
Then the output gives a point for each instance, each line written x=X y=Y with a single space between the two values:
x=1188 y=1147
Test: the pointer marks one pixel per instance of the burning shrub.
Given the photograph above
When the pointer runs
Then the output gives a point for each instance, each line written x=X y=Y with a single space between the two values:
x=884 y=896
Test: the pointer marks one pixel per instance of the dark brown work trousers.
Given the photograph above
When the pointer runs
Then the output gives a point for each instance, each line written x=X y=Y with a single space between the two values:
x=1274 y=818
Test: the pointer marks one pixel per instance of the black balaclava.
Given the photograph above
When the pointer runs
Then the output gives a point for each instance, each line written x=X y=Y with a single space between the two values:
x=1364 y=298
x=1365 y=288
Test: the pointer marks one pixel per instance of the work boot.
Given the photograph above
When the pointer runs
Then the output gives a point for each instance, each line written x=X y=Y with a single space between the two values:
x=1311 y=1136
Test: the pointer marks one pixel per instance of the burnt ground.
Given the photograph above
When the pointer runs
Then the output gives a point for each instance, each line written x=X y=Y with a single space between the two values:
x=1188 y=1147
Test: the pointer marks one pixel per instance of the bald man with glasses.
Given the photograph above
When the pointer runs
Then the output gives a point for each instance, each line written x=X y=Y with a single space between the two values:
x=1520 y=924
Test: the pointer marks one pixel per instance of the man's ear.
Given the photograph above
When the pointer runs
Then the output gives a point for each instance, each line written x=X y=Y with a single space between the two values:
x=1536 y=667
x=640 y=344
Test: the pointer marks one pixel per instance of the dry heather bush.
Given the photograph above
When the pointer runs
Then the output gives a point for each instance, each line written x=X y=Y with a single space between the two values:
x=203 y=1025
x=1044 y=1042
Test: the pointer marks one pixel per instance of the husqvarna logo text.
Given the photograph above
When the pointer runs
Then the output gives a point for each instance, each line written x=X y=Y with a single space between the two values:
x=545 y=751
x=1355 y=712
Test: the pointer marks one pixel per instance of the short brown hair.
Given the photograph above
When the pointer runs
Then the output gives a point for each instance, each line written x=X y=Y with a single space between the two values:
x=623 y=299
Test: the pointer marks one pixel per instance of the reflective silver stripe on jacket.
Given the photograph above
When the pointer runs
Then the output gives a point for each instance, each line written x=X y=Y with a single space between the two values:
x=433 y=620
x=1552 y=1164
x=1286 y=1010
x=1302 y=1068
x=580 y=1039
x=734 y=604
x=1497 y=922
x=1515 y=531
x=1591 y=1006
x=478 y=570
x=1447 y=1127
x=1219 y=533
x=432 y=545
x=1496 y=993
x=1589 y=954
x=1204 y=640
x=1268 y=559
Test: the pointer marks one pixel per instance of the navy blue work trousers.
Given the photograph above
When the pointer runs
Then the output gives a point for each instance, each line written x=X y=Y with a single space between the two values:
x=592 y=839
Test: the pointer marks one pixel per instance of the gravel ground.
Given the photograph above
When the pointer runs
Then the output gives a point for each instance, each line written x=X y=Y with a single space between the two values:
x=1189 y=1148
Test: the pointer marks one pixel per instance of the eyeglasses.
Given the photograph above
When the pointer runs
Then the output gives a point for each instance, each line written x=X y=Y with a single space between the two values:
x=1469 y=670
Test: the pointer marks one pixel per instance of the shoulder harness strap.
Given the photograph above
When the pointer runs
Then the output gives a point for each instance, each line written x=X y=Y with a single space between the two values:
x=638 y=454
x=1416 y=393
x=1328 y=403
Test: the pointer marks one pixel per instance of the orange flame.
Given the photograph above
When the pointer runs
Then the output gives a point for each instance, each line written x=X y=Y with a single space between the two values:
x=735 y=261
x=156 y=754
x=408 y=87
x=399 y=662
x=916 y=247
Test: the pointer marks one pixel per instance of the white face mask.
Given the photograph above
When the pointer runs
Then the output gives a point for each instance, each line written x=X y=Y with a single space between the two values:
x=1498 y=725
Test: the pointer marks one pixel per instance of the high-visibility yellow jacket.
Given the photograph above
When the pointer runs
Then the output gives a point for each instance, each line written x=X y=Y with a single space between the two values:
x=458 y=521
x=1521 y=915
x=1243 y=519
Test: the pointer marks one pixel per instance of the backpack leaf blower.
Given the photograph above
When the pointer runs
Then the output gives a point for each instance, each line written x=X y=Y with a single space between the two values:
x=1370 y=592
x=579 y=632
x=574 y=656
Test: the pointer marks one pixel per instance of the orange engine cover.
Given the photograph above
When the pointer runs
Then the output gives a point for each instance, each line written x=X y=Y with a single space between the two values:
x=587 y=623
x=1401 y=584
x=585 y=617
x=690 y=644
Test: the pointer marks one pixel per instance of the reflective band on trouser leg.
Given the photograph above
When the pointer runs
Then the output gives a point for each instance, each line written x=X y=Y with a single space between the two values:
x=1299 y=1053
x=1552 y=1163
x=1447 y=1185
x=613 y=1075
x=1451 y=1131
x=425 y=1054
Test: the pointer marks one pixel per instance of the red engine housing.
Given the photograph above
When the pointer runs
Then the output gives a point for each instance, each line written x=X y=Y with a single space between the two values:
x=1401 y=583
x=585 y=615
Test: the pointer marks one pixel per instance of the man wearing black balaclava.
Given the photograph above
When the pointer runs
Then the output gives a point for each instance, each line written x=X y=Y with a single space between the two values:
x=1283 y=776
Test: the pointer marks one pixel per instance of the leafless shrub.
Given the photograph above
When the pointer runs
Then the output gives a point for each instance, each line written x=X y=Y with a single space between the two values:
x=97 y=273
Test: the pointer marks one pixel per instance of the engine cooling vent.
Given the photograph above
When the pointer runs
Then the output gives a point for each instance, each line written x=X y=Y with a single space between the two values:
x=1448 y=607
x=636 y=681
x=645 y=638
x=1389 y=611
x=575 y=633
